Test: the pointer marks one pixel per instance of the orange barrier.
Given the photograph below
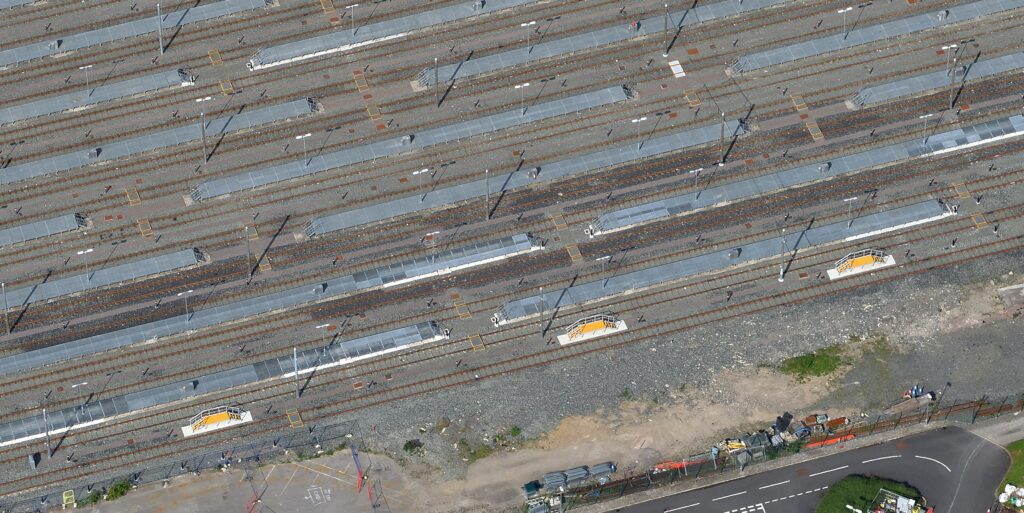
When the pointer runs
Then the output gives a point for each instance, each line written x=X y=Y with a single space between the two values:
x=830 y=441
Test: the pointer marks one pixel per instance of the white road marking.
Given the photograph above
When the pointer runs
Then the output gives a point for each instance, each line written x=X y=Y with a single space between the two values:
x=936 y=461
x=882 y=458
x=829 y=470
x=288 y=482
x=752 y=508
x=776 y=484
x=963 y=471
x=318 y=473
x=727 y=496
x=682 y=507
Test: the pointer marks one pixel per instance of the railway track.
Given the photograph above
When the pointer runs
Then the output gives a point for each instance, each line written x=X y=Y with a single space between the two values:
x=285 y=128
x=122 y=227
x=603 y=246
x=648 y=331
x=703 y=298
x=531 y=225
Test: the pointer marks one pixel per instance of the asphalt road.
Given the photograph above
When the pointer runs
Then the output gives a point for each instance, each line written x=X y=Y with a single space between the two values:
x=955 y=470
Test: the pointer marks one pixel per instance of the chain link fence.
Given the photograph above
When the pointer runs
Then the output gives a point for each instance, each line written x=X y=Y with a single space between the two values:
x=704 y=464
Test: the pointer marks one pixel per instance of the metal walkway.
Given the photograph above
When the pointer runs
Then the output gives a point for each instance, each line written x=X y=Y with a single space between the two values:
x=423 y=139
x=621 y=32
x=308 y=359
x=872 y=33
x=500 y=183
x=953 y=140
x=101 y=277
x=343 y=39
x=937 y=80
x=163 y=139
x=125 y=30
x=40 y=229
x=442 y=262
x=861 y=227
x=95 y=95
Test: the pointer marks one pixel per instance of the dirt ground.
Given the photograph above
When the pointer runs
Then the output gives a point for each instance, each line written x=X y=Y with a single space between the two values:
x=639 y=432
x=636 y=436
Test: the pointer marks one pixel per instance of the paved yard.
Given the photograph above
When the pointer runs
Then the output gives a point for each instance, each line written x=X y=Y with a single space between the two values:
x=320 y=485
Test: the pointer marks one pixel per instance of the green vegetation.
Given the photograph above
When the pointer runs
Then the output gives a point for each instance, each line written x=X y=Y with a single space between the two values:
x=413 y=447
x=859 y=491
x=330 y=452
x=1015 y=475
x=514 y=431
x=819 y=363
x=785 y=449
x=627 y=395
x=92 y=498
x=119 y=489
x=470 y=453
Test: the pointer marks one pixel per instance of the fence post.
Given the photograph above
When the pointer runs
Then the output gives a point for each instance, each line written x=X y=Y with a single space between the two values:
x=999 y=411
x=977 y=409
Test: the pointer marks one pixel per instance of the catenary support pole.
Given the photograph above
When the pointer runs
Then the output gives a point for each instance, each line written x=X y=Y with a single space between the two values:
x=159 y=28
x=7 y=323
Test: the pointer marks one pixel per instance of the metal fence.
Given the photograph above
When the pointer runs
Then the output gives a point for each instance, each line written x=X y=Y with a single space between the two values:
x=304 y=442
x=703 y=464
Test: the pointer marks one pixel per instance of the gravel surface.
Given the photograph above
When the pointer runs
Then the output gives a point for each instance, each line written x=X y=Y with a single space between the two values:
x=912 y=315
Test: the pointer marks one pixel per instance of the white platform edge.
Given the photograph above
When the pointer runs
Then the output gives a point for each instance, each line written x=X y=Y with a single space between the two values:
x=246 y=417
x=889 y=261
x=619 y=326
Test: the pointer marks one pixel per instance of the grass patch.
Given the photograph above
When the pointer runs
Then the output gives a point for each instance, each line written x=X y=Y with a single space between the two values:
x=1015 y=475
x=119 y=489
x=627 y=395
x=514 y=431
x=819 y=363
x=785 y=450
x=859 y=491
x=92 y=498
x=413 y=447
x=330 y=452
x=472 y=453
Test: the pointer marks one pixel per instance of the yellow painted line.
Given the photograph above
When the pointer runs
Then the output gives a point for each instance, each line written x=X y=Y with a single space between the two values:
x=979 y=220
x=361 y=82
x=559 y=221
x=294 y=418
x=68 y=497
x=812 y=127
x=226 y=87
x=144 y=227
x=961 y=191
x=373 y=111
x=692 y=98
x=215 y=58
x=476 y=343
x=798 y=102
x=253 y=234
x=265 y=265
x=462 y=310
x=574 y=252
x=328 y=6
x=133 y=195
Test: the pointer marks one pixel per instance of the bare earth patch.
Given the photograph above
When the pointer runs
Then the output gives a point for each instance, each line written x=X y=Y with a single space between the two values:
x=636 y=436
